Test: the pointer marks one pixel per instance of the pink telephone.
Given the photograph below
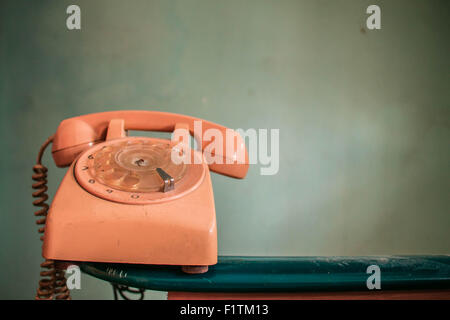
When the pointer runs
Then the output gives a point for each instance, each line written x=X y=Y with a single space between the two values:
x=123 y=199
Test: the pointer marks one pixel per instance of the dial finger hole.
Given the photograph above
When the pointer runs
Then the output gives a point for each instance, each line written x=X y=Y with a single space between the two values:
x=130 y=181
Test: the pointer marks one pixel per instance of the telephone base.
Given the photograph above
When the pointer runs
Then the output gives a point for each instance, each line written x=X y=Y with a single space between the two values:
x=83 y=227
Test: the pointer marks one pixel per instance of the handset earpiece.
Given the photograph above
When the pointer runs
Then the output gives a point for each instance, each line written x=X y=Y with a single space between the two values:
x=72 y=137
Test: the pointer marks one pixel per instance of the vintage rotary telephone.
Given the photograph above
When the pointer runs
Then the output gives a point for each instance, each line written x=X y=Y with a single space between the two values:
x=123 y=199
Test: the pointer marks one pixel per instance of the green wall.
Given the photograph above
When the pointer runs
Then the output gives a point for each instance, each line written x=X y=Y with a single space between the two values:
x=363 y=115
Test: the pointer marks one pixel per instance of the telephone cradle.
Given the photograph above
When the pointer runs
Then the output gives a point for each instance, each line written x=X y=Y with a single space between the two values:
x=125 y=200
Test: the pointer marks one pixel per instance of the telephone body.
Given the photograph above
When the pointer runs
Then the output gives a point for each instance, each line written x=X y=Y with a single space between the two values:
x=123 y=201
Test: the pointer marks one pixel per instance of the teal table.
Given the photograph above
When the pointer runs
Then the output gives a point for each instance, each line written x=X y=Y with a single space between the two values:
x=234 y=274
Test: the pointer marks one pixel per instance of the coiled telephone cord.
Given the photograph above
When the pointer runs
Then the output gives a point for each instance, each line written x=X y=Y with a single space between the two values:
x=53 y=282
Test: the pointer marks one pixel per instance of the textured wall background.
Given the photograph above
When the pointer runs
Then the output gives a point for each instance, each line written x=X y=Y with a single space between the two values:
x=363 y=115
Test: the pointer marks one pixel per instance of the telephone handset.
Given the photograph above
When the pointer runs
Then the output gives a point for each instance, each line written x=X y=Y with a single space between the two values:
x=125 y=200
x=76 y=134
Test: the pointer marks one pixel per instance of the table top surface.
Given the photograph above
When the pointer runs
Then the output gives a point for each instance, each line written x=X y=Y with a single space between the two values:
x=284 y=274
